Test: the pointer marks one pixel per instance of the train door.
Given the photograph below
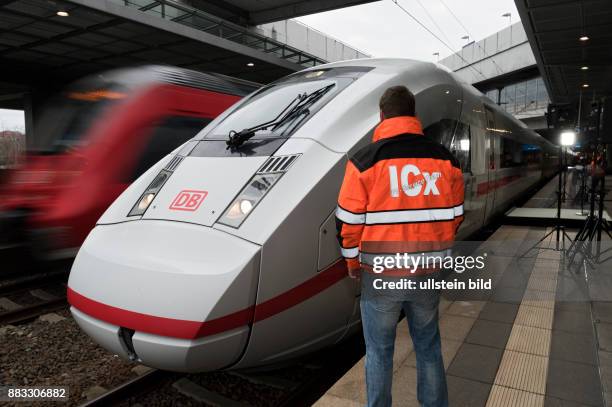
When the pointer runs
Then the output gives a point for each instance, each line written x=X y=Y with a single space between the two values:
x=457 y=137
x=461 y=147
x=492 y=151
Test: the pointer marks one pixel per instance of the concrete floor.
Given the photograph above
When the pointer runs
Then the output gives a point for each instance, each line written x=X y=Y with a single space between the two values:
x=541 y=337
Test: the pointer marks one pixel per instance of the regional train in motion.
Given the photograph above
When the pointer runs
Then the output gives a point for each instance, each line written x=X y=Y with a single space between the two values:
x=223 y=255
x=94 y=139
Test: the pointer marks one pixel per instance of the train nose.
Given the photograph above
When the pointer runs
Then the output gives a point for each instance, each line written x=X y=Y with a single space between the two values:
x=172 y=295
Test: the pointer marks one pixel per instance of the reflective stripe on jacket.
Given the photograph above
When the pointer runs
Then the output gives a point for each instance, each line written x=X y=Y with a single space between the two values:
x=404 y=191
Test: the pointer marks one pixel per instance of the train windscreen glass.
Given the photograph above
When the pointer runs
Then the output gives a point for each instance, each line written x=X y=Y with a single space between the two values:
x=275 y=100
x=73 y=115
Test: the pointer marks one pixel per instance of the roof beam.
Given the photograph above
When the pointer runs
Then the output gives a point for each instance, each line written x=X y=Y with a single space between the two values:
x=300 y=8
x=172 y=27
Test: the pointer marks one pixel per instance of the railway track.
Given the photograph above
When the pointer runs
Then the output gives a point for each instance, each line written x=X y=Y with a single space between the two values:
x=28 y=313
x=300 y=384
x=31 y=281
x=132 y=388
x=25 y=299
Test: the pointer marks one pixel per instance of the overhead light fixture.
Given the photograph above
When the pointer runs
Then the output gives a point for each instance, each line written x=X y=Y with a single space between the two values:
x=250 y=64
x=585 y=68
x=62 y=13
x=447 y=92
x=584 y=38
x=568 y=138
x=586 y=85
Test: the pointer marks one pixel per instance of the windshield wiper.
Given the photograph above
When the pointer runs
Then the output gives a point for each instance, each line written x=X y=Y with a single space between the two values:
x=298 y=106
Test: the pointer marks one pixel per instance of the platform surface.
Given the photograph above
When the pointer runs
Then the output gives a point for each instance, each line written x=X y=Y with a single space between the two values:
x=547 y=343
x=551 y=213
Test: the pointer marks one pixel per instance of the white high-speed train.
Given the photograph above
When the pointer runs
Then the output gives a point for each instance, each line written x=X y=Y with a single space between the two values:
x=225 y=256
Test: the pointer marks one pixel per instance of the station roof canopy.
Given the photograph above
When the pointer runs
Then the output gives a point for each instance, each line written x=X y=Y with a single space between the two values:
x=572 y=43
x=45 y=42
x=265 y=11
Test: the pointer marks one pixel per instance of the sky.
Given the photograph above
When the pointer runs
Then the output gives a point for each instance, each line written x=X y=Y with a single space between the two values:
x=382 y=29
x=12 y=120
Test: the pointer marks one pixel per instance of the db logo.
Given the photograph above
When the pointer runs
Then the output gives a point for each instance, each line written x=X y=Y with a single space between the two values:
x=188 y=200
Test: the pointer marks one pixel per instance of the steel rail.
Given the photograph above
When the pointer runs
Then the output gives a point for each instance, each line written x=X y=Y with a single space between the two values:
x=30 y=312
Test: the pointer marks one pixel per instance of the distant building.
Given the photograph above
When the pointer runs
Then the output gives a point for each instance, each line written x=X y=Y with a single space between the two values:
x=12 y=148
x=503 y=67
x=288 y=31
x=301 y=36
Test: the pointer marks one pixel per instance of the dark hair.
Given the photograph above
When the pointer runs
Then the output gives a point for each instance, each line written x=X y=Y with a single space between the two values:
x=397 y=101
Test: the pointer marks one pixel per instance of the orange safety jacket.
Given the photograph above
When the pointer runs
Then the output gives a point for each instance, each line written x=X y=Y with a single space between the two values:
x=401 y=194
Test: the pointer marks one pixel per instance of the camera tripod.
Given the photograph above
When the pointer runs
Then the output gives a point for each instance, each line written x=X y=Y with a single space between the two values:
x=558 y=229
x=582 y=191
x=594 y=225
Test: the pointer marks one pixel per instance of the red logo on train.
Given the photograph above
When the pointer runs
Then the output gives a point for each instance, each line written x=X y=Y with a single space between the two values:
x=188 y=200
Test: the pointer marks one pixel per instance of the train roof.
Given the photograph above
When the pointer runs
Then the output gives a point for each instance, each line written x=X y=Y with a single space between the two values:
x=506 y=122
x=144 y=74
x=399 y=63
x=204 y=80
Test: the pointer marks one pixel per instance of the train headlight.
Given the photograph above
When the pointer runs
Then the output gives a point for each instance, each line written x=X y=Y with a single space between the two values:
x=246 y=206
x=147 y=197
x=240 y=208
x=145 y=201
x=248 y=198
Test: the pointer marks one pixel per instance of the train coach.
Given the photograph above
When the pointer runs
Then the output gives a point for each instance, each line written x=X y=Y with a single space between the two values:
x=101 y=134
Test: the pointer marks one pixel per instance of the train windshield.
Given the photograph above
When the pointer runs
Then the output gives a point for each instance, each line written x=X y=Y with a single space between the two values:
x=276 y=103
x=66 y=121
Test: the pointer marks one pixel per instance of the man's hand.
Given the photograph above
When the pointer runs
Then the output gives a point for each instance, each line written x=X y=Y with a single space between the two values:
x=354 y=273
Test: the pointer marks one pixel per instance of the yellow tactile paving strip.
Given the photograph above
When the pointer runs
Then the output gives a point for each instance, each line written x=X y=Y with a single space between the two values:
x=535 y=298
x=521 y=378
x=534 y=316
x=506 y=397
x=545 y=272
x=527 y=339
x=543 y=283
x=522 y=371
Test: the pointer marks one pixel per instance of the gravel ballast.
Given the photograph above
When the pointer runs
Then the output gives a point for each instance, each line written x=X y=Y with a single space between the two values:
x=43 y=353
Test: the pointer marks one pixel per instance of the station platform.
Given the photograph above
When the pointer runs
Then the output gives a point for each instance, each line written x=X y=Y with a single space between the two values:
x=541 y=337
x=541 y=209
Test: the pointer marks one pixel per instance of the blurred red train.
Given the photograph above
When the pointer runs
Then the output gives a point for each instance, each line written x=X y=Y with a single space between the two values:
x=102 y=134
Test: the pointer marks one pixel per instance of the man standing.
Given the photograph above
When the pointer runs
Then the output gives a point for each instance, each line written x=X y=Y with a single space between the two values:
x=401 y=194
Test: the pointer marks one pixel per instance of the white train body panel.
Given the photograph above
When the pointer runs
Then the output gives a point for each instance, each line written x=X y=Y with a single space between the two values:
x=180 y=289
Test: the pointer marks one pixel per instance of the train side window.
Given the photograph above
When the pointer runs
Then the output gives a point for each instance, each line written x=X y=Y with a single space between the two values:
x=490 y=117
x=478 y=153
x=461 y=145
x=511 y=153
x=455 y=136
x=164 y=137
x=532 y=154
x=442 y=131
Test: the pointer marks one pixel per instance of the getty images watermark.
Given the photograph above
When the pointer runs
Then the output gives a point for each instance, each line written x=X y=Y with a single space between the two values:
x=409 y=265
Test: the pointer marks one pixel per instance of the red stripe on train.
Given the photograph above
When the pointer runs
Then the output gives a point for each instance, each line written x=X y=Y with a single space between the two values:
x=186 y=329
x=485 y=187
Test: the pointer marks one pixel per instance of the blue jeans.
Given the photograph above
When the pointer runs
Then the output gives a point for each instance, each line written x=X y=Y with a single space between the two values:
x=380 y=312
